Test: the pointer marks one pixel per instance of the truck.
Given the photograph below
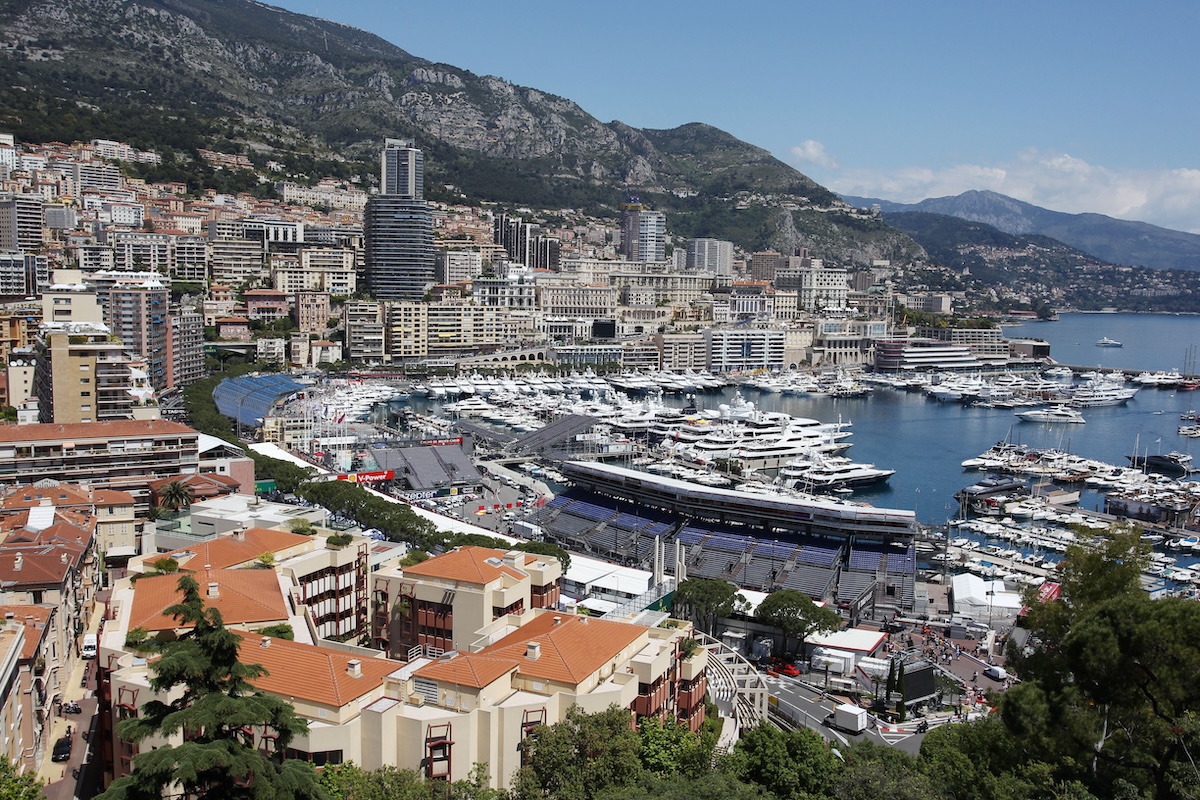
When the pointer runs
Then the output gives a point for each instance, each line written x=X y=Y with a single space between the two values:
x=848 y=718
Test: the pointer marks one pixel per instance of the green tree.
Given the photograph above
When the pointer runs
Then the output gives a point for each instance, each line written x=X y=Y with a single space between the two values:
x=873 y=772
x=14 y=786
x=175 y=495
x=1108 y=690
x=214 y=702
x=703 y=600
x=792 y=766
x=669 y=748
x=796 y=615
x=581 y=756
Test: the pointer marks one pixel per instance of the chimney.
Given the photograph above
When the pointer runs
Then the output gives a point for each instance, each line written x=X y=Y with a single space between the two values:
x=354 y=668
x=514 y=559
x=533 y=650
x=266 y=642
x=239 y=533
x=557 y=619
x=17 y=562
x=62 y=558
x=213 y=591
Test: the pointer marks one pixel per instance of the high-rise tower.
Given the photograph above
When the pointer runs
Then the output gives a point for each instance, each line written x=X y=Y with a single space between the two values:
x=643 y=232
x=398 y=227
x=402 y=172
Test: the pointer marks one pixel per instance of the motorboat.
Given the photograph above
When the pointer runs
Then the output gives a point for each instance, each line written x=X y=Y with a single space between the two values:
x=1107 y=342
x=1051 y=414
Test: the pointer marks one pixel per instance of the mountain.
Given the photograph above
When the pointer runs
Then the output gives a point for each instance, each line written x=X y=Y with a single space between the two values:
x=317 y=98
x=1113 y=240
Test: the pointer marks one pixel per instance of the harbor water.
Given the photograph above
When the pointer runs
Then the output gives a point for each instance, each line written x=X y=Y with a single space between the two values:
x=926 y=441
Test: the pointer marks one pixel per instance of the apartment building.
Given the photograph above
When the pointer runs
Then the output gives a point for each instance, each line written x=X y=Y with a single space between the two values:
x=124 y=455
x=238 y=261
x=566 y=298
x=142 y=251
x=185 y=347
x=312 y=311
x=739 y=349
x=365 y=339
x=458 y=326
x=318 y=269
x=484 y=657
x=407 y=334
x=266 y=304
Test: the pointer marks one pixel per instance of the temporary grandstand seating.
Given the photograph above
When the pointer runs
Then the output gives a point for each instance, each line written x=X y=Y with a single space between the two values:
x=821 y=555
x=813 y=581
x=250 y=398
x=853 y=584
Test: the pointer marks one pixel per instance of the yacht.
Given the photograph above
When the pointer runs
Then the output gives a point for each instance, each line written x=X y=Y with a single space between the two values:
x=1102 y=393
x=1051 y=414
x=1107 y=342
x=816 y=472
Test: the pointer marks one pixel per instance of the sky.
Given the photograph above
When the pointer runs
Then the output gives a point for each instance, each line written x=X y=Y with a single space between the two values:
x=1072 y=106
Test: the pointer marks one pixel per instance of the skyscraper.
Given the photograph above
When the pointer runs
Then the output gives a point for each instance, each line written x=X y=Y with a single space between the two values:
x=398 y=228
x=403 y=170
x=643 y=232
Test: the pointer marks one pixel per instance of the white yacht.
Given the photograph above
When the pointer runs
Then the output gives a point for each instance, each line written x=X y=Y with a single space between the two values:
x=819 y=472
x=1051 y=414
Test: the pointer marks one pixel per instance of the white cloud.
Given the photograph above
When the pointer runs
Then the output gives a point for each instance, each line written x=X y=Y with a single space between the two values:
x=810 y=151
x=1057 y=181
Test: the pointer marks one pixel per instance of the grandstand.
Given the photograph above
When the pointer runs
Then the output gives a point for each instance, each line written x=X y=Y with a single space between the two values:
x=752 y=557
x=249 y=399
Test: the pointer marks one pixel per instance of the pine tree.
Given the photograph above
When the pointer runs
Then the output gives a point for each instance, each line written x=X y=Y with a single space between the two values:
x=218 y=706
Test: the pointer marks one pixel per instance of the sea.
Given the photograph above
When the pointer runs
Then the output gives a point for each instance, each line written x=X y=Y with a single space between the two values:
x=926 y=441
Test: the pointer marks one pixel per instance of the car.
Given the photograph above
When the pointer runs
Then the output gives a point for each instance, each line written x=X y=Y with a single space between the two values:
x=62 y=749
x=790 y=670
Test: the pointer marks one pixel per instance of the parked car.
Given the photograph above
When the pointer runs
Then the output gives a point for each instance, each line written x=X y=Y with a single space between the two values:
x=62 y=749
x=790 y=670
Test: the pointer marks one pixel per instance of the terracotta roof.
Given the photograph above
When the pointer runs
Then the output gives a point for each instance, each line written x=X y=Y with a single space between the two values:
x=83 y=431
x=29 y=496
x=230 y=551
x=113 y=497
x=243 y=596
x=40 y=564
x=477 y=565
x=570 y=650
x=467 y=669
x=36 y=619
x=312 y=673
x=203 y=480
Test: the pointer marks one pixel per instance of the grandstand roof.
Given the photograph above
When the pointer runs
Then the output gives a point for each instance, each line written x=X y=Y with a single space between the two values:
x=250 y=398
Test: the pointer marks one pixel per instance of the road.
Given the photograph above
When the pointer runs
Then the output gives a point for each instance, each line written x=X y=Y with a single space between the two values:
x=807 y=707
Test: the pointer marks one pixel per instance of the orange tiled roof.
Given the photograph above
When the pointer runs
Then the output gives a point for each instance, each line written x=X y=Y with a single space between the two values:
x=202 y=480
x=467 y=669
x=36 y=619
x=40 y=564
x=571 y=650
x=467 y=564
x=305 y=671
x=29 y=496
x=83 y=431
x=113 y=497
x=224 y=552
x=243 y=596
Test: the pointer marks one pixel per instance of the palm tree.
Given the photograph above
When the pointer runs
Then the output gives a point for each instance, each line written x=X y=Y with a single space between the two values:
x=175 y=495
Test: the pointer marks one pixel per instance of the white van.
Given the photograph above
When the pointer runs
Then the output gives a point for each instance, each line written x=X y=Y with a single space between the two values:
x=996 y=673
x=88 y=650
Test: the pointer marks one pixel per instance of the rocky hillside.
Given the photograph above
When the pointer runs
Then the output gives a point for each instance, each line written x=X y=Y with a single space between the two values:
x=310 y=94
x=1113 y=240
